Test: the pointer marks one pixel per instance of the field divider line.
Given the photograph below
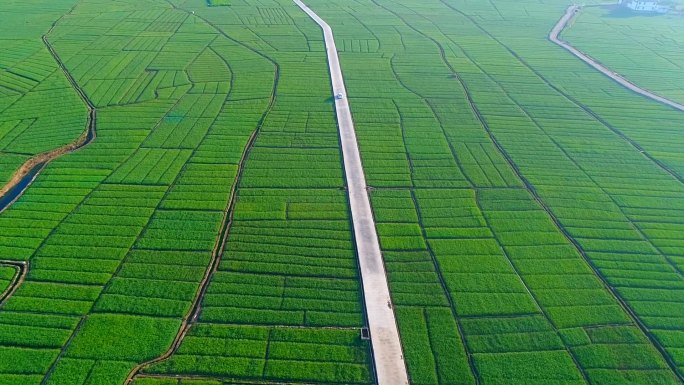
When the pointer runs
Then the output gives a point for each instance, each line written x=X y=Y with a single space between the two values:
x=213 y=379
x=569 y=15
x=388 y=358
x=22 y=269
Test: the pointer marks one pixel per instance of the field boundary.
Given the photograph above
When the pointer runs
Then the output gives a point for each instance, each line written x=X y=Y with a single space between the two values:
x=199 y=377
x=452 y=304
x=26 y=174
x=554 y=36
x=388 y=357
x=22 y=269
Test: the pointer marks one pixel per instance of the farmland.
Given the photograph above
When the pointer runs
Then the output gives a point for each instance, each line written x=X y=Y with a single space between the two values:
x=473 y=164
x=630 y=40
x=32 y=83
x=529 y=210
x=7 y=274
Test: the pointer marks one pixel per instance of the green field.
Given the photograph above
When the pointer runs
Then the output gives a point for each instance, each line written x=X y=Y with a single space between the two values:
x=7 y=274
x=646 y=49
x=40 y=111
x=530 y=211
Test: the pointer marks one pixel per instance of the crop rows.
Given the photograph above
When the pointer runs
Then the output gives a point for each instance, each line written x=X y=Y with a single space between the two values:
x=7 y=274
x=609 y=210
x=122 y=248
x=297 y=354
x=529 y=210
x=285 y=302
x=633 y=38
x=466 y=241
x=121 y=233
x=39 y=110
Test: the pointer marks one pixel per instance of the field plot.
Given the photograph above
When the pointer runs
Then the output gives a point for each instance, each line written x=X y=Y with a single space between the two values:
x=627 y=40
x=609 y=212
x=503 y=202
x=285 y=301
x=120 y=234
x=39 y=111
x=7 y=274
x=663 y=146
x=529 y=209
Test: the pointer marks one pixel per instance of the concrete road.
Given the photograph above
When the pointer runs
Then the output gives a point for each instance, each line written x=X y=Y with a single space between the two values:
x=387 y=353
x=558 y=29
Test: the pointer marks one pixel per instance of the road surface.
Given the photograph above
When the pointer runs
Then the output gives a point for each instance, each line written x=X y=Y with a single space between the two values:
x=558 y=29
x=387 y=354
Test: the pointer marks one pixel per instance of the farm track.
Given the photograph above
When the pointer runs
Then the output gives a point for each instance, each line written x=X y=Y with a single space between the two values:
x=558 y=29
x=226 y=225
x=22 y=269
x=388 y=358
x=532 y=190
x=213 y=379
x=22 y=179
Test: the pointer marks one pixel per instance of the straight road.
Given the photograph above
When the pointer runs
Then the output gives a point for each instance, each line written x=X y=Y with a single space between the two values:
x=387 y=354
x=558 y=29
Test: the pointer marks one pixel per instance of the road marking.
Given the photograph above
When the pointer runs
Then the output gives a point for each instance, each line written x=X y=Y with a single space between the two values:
x=387 y=354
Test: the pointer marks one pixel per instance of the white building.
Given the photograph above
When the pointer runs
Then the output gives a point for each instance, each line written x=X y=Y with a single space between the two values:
x=646 y=6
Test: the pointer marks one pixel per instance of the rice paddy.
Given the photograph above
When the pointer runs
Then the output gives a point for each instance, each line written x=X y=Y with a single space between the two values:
x=529 y=209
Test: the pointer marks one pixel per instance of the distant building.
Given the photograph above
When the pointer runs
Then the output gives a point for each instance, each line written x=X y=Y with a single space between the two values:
x=645 y=6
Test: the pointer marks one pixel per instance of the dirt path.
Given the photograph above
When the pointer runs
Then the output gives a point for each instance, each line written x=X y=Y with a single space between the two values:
x=387 y=350
x=570 y=14
x=22 y=269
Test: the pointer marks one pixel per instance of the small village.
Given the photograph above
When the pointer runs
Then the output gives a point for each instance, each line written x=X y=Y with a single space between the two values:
x=646 y=6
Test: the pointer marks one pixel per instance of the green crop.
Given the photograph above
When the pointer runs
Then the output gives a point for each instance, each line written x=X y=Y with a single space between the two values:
x=529 y=210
